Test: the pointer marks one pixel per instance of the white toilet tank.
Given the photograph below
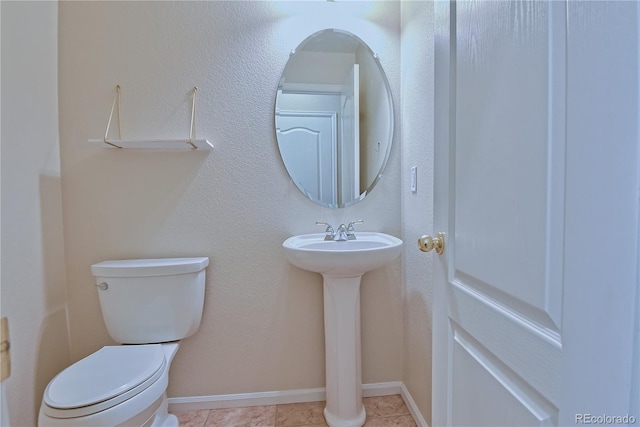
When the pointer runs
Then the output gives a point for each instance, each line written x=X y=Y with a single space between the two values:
x=148 y=301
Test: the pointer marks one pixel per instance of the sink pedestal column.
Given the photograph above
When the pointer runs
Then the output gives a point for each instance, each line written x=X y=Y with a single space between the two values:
x=342 y=345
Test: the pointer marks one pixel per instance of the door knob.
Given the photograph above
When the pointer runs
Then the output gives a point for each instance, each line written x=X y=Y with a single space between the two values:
x=426 y=243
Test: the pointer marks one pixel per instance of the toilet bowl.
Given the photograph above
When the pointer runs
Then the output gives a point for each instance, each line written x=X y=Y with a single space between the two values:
x=117 y=385
x=125 y=385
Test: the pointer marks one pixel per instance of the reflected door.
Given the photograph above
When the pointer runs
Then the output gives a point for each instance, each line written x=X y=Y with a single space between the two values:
x=308 y=141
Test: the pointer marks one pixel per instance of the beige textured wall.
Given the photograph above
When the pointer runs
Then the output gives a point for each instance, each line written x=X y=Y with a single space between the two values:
x=417 y=150
x=262 y=327
x=32 y=279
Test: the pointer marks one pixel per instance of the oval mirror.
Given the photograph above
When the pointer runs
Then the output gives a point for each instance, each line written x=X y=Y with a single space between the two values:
x=334 y=118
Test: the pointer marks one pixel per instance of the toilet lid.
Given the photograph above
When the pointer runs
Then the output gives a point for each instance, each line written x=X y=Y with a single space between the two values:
x=107 y=373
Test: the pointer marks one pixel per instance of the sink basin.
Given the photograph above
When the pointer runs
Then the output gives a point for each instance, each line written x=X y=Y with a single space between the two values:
x=342 y=259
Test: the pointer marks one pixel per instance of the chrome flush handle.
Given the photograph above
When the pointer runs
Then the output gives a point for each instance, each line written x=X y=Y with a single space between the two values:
x=103 y=286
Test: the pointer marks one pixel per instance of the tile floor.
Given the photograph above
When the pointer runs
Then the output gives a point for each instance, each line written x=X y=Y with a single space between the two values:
x=382 y=411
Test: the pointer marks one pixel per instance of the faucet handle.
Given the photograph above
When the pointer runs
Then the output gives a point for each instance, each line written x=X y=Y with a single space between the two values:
x=351 y=231
x=329 y=232
x=357 y=221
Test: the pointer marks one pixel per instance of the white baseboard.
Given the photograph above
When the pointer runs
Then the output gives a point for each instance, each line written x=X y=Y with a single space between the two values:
x=222 y=401
x=413 y=408
x=290 y=396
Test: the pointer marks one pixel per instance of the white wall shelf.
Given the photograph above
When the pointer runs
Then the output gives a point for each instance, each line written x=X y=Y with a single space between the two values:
x=157 y=144
x=190 y=143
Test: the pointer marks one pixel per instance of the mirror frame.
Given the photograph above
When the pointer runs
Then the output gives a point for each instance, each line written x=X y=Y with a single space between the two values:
x=389 y=138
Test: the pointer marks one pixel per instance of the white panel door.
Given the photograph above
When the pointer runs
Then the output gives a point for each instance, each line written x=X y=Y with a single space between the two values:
x=504 y=288
x=308 y=143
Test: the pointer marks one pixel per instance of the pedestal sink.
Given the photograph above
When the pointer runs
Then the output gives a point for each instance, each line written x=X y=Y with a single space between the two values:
x=342 y=264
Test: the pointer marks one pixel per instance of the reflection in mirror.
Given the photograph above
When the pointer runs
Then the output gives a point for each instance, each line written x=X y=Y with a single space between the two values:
x=334 y=118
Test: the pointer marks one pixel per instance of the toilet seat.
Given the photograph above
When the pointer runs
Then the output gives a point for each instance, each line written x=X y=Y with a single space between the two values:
x=104 y=379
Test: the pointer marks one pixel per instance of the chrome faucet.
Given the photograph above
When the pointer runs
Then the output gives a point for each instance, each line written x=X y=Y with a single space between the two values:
x=344 y=233
x=341 y=235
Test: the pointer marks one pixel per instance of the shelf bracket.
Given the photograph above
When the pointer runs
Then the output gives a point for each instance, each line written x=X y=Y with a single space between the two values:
x=116 y=98
x=116 y=143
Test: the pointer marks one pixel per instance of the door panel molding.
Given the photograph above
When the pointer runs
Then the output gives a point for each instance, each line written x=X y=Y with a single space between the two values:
x=496 y=377
x=534 y=353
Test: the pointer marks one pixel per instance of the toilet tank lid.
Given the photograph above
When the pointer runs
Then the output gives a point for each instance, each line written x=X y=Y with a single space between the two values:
x=149 y=267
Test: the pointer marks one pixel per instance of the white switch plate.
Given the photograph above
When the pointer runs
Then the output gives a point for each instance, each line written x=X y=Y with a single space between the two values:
x=414 y=179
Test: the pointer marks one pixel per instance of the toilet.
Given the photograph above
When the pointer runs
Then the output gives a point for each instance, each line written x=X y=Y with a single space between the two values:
x=148 y=305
